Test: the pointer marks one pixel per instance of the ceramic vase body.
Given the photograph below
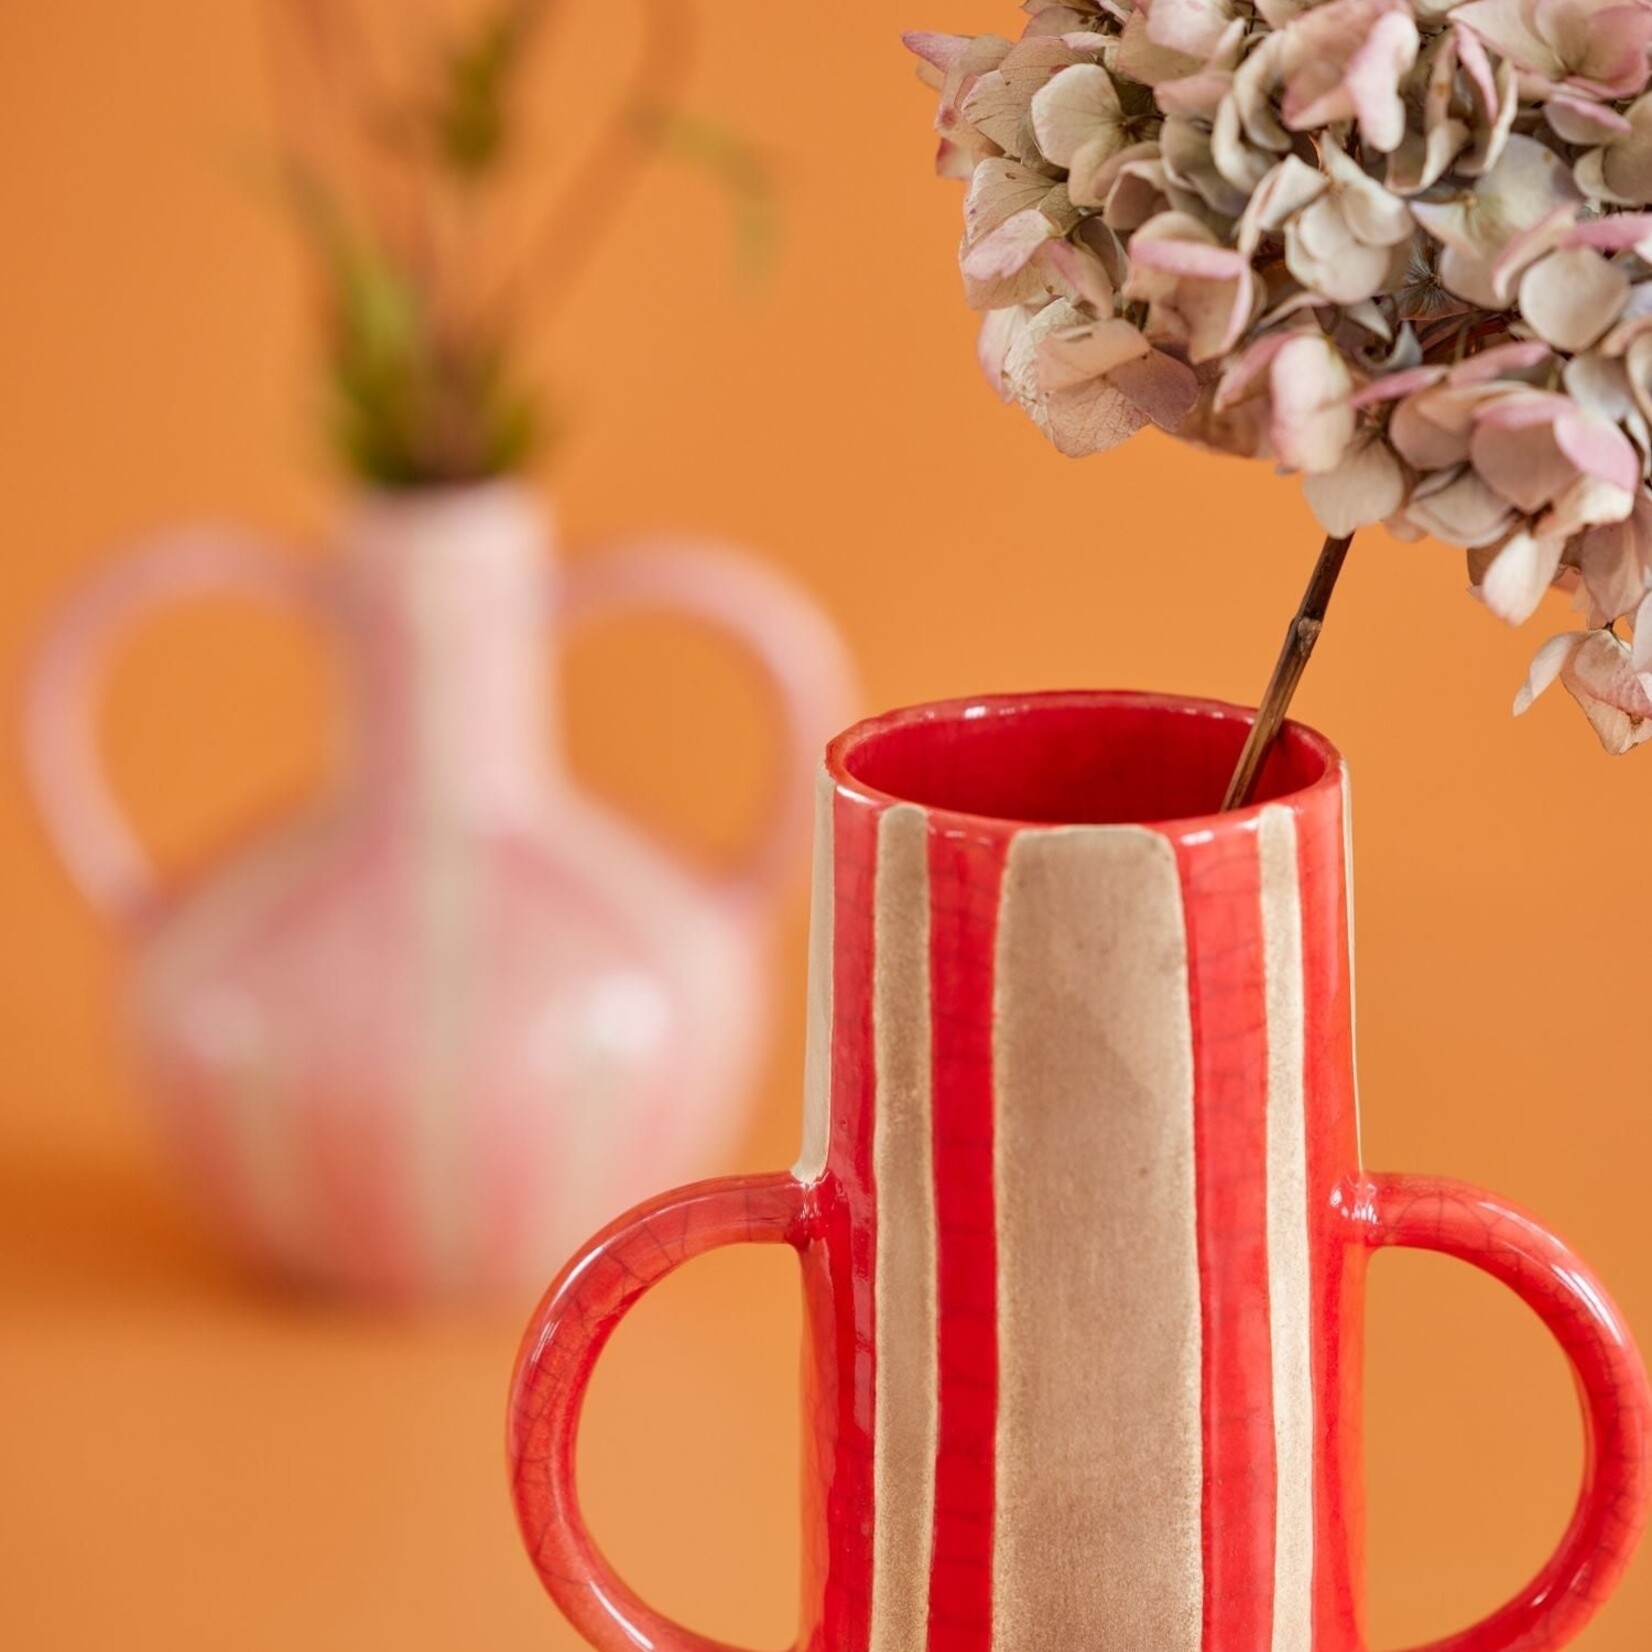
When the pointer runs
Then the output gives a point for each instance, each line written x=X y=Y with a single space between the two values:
x=1081 y=1218
x=416 y=1042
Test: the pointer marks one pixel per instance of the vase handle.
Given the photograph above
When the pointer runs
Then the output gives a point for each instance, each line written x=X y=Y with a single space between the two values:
x=87 y=826
x=593 y=1293
x=1426 y=1213
x=788 y=636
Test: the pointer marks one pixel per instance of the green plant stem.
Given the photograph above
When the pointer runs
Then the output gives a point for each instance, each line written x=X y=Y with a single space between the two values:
x=1300 y=639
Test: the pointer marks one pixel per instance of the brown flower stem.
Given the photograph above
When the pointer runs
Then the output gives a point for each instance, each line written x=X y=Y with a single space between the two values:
x=1304 y=632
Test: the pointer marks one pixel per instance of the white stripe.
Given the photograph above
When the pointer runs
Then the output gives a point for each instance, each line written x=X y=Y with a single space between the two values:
x=817 y=1055
x=905 y=1285
x=1289 y=1278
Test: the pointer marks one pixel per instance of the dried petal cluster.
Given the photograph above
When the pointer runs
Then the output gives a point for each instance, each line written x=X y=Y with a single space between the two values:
x=1401 y=247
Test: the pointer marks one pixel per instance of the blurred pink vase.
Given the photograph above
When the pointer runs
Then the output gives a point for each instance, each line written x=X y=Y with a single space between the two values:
x=416 y=1043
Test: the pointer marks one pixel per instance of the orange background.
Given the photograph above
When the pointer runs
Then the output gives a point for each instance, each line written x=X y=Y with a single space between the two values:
x=190 y=1465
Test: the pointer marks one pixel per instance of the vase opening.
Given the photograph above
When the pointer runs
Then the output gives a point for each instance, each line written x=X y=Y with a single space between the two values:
x=1074 y=759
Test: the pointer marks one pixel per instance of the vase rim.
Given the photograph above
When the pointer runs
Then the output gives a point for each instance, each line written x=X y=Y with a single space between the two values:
x=865 y=761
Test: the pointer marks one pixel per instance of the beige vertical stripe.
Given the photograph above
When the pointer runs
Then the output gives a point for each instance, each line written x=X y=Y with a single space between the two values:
x=817 y=1051
x=1099 y=1454
x=1289 y=1281
x=903 y=1463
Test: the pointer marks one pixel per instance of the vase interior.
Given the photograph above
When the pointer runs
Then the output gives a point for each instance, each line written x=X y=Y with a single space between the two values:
x=1078 y=759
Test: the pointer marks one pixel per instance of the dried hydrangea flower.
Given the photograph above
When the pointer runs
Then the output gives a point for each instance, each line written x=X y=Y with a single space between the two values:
x=1597 y=670
x=1400 y=247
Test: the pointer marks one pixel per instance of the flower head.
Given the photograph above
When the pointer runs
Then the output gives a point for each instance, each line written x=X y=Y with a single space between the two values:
x=1403 y=248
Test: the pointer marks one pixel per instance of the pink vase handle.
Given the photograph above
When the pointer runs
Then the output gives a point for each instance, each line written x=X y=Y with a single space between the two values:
x=784 y=631
x=87 y=826
x=1425 y=1213
x=593 y=1293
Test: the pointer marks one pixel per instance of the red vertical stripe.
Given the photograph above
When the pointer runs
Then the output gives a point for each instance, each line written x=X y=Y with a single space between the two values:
x=966 y=875
x=1338 y=1268
x=1221 y=890
x=845 y=1303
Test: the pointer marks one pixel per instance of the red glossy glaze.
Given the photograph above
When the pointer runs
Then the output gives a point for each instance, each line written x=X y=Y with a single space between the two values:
x=1230 y=1045
x=1083 y=1228
x=970 y=866
x=1427 y=1213
x=575 y=1321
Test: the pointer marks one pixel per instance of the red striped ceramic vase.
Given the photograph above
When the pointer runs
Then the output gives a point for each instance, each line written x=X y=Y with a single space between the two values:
x=1081 y=1217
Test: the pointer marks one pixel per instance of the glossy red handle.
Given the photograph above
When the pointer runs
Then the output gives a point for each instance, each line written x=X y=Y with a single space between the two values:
x=1425 y=1213
x=593 y=1293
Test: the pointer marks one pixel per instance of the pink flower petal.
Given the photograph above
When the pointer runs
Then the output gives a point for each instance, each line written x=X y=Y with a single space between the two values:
x=1583 y=121
x=1083 y=272
x=1476 y=66
x=1346 y=60
x=1431 y=429
x=1367 y=486
x=940 y=51
x=1502 y=360
x=1191 y=27
x=1283 y=192
x=1547 y=664
x=1248 y=372
x=1075 y=355
x=1138 y=57
x=1521 y=462
x=1312 y=422
x=999 y=104
x=1503 y=25
x=1519 y=409
x=1621 y=232
x=1597 y=448
x=1162 y=387
x=1614 y=61
x=1010 y=247
x=1196 y=259
x=1601 y=677
x=1615 y=561
x=1641 y=654
x=999 y=332
x=1091 y=418
x=1548 y=234
x=1521 y=572
x=998 y=189
x=1396 y=385
x=1072 y=107
x=1373 y=78
x=1459 y=509
x=1587 y=502
x=1571 y=297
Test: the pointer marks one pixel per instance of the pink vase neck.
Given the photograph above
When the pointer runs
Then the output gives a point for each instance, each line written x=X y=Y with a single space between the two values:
x=448 y=598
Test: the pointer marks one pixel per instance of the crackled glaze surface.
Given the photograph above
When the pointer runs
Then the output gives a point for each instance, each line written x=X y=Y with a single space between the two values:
x=1081 y=1219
